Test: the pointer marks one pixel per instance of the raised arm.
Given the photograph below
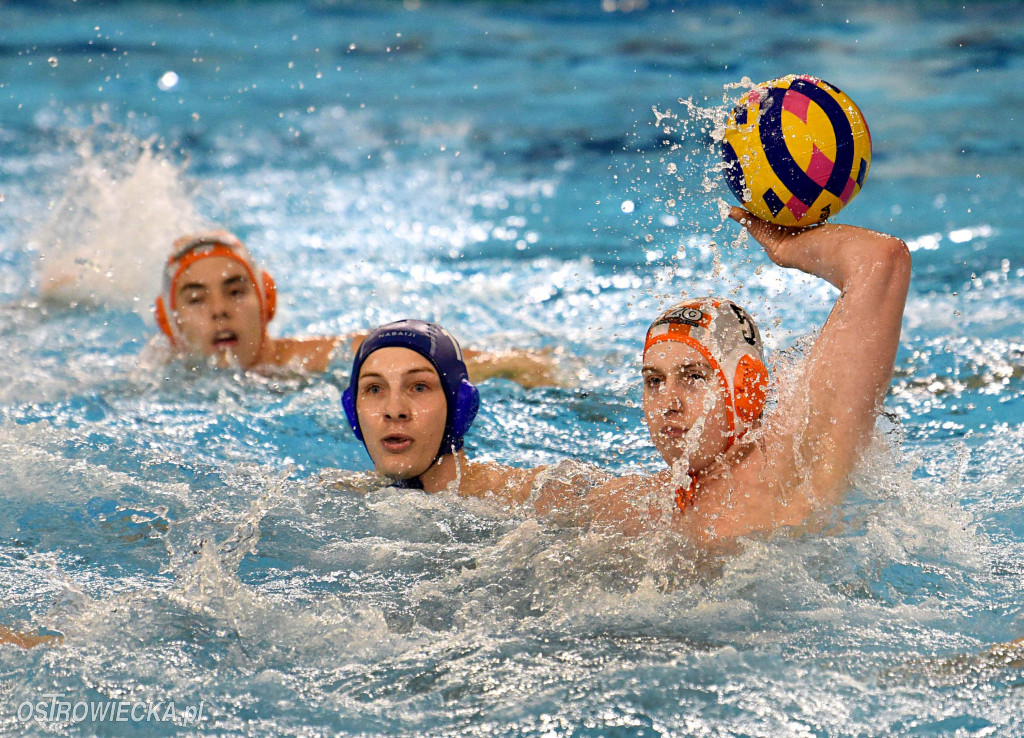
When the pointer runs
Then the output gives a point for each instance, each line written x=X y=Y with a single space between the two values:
x=832 y=413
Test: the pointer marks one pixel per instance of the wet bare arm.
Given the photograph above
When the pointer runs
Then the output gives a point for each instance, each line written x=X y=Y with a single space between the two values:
x=850 y=365
x=24 y=640
x=305 y=354
x=528 y=368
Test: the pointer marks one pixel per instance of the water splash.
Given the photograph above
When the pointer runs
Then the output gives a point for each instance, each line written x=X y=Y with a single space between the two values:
x=109 y=231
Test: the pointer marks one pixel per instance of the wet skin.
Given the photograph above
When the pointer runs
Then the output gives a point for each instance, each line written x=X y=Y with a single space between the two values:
x=217 y=311
x=402 y=409
x=681 y=387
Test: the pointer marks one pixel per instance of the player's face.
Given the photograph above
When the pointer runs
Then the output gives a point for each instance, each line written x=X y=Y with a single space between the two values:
x=402 y=410
x=217 y=311
x=684 y=405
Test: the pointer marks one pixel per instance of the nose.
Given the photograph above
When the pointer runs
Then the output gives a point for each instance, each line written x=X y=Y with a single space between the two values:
x=672 y=399
x=396 y=407
x=219 y=307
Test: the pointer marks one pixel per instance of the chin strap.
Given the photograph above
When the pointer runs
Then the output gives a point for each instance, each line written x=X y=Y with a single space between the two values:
x=686 y=496
x=411 y=483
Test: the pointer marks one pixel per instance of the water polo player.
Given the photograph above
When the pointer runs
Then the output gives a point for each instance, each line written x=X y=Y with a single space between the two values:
x=732 y=472
x=411 y=402
x=703 y=367
x=216 y=303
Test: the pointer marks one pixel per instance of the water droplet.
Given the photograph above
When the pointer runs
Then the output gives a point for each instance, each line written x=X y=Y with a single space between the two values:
x=628 y=206
x=52 y=61
x=168 y=81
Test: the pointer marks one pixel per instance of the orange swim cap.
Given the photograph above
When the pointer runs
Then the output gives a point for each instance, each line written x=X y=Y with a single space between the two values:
x=728 y=338
x=187 y=251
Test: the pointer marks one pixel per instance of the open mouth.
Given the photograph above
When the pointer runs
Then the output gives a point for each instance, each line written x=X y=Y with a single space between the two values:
x=224 y=340
x=396 y=443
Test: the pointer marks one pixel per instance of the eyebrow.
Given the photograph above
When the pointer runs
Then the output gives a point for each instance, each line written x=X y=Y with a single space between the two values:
x=688 y=366
x=229 y=282
x=410 y=372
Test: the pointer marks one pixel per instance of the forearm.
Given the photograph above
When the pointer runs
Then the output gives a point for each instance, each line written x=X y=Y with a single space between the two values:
x=876 y=264
x=23 y=640
x=530 y=369
x=838 y=253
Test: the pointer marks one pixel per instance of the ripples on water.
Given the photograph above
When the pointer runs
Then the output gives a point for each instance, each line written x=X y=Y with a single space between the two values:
x=531 y=176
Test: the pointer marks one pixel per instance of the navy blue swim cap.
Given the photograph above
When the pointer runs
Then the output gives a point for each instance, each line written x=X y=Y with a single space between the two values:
x=440 y=348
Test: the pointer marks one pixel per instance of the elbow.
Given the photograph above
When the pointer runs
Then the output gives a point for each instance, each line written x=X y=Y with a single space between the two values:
x=898 y=264
x=896 y=256
x=889 y=264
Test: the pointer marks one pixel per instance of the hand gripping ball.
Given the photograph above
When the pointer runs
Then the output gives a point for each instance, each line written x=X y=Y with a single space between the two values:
x=796 y=150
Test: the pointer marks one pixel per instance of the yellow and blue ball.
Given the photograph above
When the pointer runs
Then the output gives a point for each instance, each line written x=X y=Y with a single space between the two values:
x=796 y=150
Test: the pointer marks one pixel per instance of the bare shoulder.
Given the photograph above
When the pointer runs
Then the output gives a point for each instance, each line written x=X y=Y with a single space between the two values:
x=763 y=490
x=305 y=354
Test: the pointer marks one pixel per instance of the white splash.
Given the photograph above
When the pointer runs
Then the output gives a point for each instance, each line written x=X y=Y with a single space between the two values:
x=108 y=233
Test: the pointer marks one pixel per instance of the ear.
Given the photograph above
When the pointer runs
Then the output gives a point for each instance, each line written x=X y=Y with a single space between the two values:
x=348 y=404
x=467 y=404
x=269 y=297
x=750 y=388
x=162 y=320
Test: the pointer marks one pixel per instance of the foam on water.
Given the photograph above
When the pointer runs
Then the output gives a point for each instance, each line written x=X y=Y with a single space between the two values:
x=192 y=533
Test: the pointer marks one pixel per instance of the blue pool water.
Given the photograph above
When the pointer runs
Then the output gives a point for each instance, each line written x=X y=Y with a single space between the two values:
x=530 y=174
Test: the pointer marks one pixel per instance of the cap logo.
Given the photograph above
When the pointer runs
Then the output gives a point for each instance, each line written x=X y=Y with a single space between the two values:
x=689 y=315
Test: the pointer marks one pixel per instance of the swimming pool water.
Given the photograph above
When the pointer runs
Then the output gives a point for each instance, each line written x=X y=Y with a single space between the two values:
x=529 y=174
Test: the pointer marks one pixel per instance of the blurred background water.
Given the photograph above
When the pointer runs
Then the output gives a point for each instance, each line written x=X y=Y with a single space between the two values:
x=530 y=174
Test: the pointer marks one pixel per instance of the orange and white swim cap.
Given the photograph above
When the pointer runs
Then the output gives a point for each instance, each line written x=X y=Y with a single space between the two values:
x=187 y=251
x=727 y=337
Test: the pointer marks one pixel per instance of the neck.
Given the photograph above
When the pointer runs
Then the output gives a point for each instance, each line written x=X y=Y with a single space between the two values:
x=443 y=472
x=694 y=479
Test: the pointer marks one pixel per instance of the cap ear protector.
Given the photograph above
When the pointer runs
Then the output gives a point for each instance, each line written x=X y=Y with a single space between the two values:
x=728 y=338
x=269 y=297
x=190 y=249
x=467 y=405
x=348 y=404
x=750 y=386
x=160 y=314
